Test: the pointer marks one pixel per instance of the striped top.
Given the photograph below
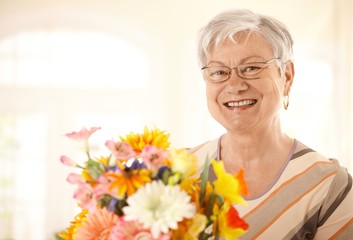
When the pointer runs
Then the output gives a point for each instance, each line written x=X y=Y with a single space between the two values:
x=312 y=198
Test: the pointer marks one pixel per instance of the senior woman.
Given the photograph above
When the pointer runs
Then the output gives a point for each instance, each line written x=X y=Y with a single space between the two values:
x=294 y=192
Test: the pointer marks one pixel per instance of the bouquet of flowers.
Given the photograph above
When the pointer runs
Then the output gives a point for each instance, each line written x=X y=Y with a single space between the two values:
x=146 y=190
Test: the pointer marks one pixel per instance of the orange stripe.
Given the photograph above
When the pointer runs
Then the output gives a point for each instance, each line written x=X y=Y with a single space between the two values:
x=289 y=206
x=341 y=229
x=283 y=185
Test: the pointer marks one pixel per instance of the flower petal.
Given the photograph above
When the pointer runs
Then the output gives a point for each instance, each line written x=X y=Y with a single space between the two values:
x=74 y=178
x=67 y=161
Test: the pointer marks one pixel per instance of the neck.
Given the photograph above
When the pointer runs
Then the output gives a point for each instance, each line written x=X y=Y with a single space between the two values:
x=240 y=149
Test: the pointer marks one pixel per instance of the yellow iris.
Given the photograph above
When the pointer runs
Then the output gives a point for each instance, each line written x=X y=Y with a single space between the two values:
x=70 y=232
x=183 y=162
x=227 y=185
x=155 y=138
x=127 y=182
x=230 y=224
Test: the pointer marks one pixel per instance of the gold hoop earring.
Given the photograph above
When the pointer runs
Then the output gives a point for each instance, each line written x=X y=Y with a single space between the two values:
x=286 y=102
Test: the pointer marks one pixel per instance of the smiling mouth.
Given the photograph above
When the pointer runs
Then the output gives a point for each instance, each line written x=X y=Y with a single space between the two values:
x=243 y=103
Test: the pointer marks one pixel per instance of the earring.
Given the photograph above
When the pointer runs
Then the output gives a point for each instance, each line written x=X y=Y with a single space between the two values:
x=286 y=102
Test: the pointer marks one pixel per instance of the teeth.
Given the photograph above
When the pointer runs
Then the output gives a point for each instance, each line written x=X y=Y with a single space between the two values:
x=241 y=103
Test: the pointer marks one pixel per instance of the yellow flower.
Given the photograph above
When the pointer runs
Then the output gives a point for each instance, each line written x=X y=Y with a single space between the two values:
x=189 y=229
x=197 y=225
x=230 y=224
x=192 y=187
x=155 y=138
x=103 y=160
x=229 y=186
x=87 y=177
x=189 y=185
x=70 y=232
x=183 y=162
x=127 y=182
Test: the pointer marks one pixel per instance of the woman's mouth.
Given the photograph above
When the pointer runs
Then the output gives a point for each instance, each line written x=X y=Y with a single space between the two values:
x=242 y=103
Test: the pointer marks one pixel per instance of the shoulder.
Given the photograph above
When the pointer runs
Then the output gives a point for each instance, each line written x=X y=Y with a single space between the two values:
x=308 y=164
x=314 y=193
x=305 y=159
x=326 y=177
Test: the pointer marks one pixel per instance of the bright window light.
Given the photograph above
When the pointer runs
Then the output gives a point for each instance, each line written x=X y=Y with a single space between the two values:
x=74 y=59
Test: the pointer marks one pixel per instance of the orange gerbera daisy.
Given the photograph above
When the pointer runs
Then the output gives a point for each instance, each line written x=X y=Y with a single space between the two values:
x=127 y=181
x=155 y=138
x=97 y=226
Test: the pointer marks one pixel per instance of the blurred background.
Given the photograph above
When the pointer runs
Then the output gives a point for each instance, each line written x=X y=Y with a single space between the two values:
x=121 y=65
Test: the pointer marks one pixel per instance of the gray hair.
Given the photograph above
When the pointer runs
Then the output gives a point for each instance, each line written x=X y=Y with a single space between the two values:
x=227 y=24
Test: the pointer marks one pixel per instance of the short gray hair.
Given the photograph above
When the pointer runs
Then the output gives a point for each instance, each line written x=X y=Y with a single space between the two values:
x=227 y=24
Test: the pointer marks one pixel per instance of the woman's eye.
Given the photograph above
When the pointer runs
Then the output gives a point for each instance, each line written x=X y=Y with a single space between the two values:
x=219 y=73
x=250 y=69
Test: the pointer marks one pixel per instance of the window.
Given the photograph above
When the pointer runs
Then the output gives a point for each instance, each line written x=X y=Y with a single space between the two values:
x=55 y=81
x=71 y=58
x=22 y=176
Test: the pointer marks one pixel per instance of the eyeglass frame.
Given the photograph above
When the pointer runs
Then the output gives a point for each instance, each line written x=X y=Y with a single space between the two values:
x=266 y=63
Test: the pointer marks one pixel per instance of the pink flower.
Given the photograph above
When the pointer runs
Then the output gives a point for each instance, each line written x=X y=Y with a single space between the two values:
x=120 y=150
x=84 y=194
x=103 y=187
x=97 y=226
x=74 y=178
x=133 y=230
x=67 y=161
x=82 y=136
x=153 y=157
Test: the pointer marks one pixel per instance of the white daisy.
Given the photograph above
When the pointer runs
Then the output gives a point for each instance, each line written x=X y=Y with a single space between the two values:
x=159 y=207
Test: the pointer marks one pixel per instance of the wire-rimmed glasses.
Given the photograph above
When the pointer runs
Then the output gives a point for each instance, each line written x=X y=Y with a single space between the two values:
x=247 y=71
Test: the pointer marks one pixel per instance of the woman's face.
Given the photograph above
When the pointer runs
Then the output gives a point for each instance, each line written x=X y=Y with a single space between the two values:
x=239 y=104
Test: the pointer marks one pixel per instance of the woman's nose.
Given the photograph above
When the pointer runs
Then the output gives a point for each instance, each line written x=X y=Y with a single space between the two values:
x=236 y=83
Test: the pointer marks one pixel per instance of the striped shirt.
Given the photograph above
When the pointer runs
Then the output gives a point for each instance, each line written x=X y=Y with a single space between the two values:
x=312 y=198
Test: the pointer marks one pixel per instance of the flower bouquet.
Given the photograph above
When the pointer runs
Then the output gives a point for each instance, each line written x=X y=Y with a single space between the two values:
x=146 y=190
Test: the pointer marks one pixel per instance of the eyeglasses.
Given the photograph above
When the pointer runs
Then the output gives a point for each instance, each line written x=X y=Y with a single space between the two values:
x=247 y=71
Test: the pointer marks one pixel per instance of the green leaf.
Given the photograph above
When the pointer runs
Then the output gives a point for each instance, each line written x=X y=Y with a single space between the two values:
x=204 y=179
x=94 y=168
x=204 y=236
x=165 y=176
x=209 y=206
x=174 y=179
x=118 y=210
x=216 y=237
x=104 y=201
x=220 y=200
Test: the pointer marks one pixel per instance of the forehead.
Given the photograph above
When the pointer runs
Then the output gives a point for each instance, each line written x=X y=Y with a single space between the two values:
x=242 y=45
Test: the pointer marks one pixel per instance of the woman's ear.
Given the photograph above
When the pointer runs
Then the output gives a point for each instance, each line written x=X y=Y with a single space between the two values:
x=288 y=77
